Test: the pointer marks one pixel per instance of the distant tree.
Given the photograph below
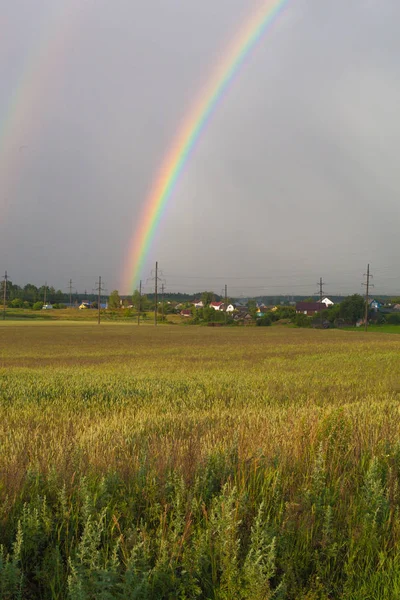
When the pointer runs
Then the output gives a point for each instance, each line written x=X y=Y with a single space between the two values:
x=17 y=303
x=252 y=306
x=207 y=298
x=137 y=300
x=37 y=305
x=141 y=303
x=31 y=293
x=352 y=308
x=114 y=300
x=332 y=313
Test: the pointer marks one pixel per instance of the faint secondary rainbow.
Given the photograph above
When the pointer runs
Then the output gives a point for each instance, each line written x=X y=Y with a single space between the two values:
x=189 y=133
x=24 y=113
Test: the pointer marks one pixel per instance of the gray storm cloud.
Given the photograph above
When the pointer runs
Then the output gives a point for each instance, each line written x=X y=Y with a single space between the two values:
x=293 y=178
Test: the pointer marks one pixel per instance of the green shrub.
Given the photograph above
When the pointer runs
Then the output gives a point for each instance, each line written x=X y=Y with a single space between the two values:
x=302 y=320
x=393 y=319
x=264 y=321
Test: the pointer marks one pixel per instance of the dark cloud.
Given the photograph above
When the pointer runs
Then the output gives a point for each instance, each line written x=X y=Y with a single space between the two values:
x=294 y=176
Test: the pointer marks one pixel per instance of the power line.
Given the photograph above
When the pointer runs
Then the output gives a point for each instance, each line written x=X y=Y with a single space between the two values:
x=99 y=288
x=156 y=279
x=367 y=286
x=70 y=293
x=162 y=303
x=226 y=302
x=321 y=293
x=140 y=303
x=5 y=279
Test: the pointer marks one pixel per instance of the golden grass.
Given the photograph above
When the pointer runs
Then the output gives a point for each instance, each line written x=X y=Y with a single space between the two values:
x=80 y=400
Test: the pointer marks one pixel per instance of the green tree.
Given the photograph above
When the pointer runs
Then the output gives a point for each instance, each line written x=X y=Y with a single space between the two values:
x=114 y=300
x=17 y=303
x=137 y=300
x=302 y=320
x=352 y=308
x=207 y=298
x=252 y=306
x=31 y=293
x=37 y=305
x=140 y=302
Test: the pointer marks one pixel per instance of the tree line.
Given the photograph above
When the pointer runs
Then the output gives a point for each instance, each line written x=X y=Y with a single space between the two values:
x=30 y=294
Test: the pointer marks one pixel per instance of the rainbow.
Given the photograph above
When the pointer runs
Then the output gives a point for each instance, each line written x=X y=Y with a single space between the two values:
x=21 y=118
x=188 y=135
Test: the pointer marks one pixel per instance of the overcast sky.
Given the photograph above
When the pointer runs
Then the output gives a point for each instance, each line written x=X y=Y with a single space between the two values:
x=295 y=177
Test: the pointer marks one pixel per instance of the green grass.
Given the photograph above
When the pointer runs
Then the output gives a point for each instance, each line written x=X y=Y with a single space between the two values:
x=189 y=462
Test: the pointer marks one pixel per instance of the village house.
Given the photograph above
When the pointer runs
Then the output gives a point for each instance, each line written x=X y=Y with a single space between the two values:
x=217 y=305
x=309 y=308
x=198 y=304
x=186 y=312
x=328 y=303
x=375 y=305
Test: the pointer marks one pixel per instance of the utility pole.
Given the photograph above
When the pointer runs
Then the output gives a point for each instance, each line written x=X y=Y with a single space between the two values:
x=99 y=289
x=4 y=295
x=155 y=294
x=226 y=302
x=45 y=290
x=321 y=293
x=140 y=303
x=367 y=286
x=70 y=293
x=162 y=302
x=156 y=278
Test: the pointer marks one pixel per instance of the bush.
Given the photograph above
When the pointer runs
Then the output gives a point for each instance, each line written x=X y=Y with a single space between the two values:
x=17 y=303
x=37 y=306
x=264 y=321
x=301 y=320
x=393 y=319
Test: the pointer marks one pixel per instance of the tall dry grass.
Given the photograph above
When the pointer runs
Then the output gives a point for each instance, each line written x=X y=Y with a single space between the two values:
x=197 y=463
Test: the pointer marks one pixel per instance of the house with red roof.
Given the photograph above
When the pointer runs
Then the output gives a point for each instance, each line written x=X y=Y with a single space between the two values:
x=217 y=305
x=309 y=308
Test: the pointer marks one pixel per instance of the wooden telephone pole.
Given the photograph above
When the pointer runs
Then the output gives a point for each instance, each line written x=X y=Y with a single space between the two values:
x=140 y=303
x=99 y=289
x=5 y=278
x=155 y=295
x=367 y=286
x=226 y=302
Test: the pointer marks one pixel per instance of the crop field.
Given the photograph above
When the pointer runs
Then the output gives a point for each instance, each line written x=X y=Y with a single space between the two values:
x=194 y=462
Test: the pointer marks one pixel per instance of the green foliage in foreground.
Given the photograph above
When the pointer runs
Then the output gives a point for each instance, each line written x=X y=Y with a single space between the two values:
x=185 y=463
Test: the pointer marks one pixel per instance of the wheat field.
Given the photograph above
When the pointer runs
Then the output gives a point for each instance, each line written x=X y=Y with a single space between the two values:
x=193 y=462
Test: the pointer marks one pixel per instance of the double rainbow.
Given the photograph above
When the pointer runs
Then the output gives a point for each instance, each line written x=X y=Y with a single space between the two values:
x=189 y=133
x=20 y=122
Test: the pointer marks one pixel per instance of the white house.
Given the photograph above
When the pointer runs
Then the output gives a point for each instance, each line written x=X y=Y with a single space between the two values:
x=217 y=305
x=230 y=308
x=198 y=304
x=327 y=302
